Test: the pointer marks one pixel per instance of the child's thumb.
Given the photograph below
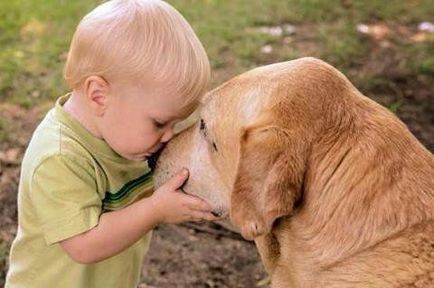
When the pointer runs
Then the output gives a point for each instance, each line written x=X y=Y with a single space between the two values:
x=178 y=179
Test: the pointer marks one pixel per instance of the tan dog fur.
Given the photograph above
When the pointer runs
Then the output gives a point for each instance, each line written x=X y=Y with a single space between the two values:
x=332 y=187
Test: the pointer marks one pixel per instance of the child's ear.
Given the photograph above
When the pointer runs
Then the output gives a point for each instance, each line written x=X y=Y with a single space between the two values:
x=96 y=90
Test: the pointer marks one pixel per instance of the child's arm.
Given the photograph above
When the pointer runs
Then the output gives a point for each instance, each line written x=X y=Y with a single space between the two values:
x=118 y=230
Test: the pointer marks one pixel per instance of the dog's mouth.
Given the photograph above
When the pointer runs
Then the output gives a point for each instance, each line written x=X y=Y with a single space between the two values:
x=220 y=212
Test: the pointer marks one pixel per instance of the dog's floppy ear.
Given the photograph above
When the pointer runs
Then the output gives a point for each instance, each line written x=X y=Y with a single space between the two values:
x=268 y=181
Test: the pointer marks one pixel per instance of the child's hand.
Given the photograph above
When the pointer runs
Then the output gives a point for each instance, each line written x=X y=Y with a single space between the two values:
x=172 y=205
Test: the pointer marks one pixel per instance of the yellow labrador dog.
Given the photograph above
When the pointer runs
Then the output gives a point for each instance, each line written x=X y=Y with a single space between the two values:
x=332 y=187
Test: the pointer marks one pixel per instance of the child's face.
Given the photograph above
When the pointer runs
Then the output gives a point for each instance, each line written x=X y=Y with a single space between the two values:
x=138 y=120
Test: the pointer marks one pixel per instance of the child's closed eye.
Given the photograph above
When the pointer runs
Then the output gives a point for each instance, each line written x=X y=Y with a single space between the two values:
x=159 y=124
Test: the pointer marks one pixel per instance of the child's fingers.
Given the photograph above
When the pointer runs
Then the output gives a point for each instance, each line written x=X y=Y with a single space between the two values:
x=195 y=203
x=176 y=181
x=198 y=216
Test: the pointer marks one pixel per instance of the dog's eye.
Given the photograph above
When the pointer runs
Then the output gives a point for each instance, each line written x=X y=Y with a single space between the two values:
x=202 y=128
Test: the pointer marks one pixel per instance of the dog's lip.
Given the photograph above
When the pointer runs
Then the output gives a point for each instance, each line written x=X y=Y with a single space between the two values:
x=218 y=211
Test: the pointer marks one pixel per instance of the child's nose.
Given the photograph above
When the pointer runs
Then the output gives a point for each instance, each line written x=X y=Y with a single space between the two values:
x=168 y=134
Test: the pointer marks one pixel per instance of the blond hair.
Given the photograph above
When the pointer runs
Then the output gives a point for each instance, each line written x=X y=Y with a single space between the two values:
x=139 y=38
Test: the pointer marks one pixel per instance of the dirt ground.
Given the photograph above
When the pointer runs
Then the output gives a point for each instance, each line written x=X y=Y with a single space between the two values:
x=208 y=255
x=183 y=257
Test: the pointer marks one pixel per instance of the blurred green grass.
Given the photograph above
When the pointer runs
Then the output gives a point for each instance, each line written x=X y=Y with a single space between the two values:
x=5 y=130
x=35 y=34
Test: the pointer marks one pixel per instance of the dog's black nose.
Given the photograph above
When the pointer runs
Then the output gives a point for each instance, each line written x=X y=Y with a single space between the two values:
x=153 y=159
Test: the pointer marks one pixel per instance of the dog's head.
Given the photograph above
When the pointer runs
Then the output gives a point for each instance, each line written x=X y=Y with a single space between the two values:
x=247 y=152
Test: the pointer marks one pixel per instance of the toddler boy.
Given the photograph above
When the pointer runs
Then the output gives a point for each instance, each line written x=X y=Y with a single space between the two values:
x=85 y=202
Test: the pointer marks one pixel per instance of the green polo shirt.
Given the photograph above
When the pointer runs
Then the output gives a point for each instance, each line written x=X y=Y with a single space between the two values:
x=68 y=178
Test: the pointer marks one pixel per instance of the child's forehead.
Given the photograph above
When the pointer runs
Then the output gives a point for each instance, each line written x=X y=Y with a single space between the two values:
x=170 y=110
x=147 y=87
x=166 y=114
x=161 y=97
